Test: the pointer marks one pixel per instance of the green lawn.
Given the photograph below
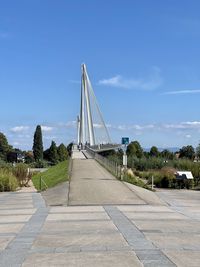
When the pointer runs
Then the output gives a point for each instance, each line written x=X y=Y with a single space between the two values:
x=53 y=176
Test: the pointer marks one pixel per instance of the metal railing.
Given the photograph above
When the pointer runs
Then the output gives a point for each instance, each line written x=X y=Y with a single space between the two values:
x=108 y=164
x=43 y=185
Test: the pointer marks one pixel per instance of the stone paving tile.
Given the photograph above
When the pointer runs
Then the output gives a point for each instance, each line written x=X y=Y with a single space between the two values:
x=184 y=258
x=17 y=212
x=167 y=226
x=77 y=216
x=10 y=228
x=155 y=215
x=78 y=209
x=144 y=208
x=79 y=226
x=175 y=240
x=15 y=207
x=14 y=218
x=91 y=240
x=89 y=259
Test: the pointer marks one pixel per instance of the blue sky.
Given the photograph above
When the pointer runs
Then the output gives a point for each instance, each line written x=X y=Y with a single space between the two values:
x=142 y=57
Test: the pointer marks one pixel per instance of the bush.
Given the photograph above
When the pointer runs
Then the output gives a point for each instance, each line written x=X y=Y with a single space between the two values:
x=134 y=180
x=145 y=164
x=40 y=164
x=163 y=179
x=21 y=173
x=8 y=181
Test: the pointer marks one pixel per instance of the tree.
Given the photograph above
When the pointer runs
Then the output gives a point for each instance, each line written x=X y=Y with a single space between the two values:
x=198 y=151
x=46 y=154
x=53 y=155
x=135 y=149
x=167 y=154
x=187 y=152
x=38 y=144
x=4 y=147
x=62 y=152
x=69 y=149
x=154 y=151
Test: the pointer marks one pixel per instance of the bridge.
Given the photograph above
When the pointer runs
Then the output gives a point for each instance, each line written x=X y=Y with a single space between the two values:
x=91 y=128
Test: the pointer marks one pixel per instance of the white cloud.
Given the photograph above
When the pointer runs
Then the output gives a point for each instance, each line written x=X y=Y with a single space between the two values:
x=132 y=127
x=188 y=136
x=182 y=92
x=18 y=129
x=50 y=137
x=46 y=128
x=15 y=143
x=183 y=125
x=189 y=125
x=150 y=83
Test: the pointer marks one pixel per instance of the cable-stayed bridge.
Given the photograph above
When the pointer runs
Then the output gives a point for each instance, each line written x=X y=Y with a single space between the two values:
x=92 y=130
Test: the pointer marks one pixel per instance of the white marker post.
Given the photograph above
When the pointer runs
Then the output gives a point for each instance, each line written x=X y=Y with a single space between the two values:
x=152 y=182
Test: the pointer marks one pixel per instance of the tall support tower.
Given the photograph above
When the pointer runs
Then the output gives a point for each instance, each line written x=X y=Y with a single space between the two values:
x=92 y=129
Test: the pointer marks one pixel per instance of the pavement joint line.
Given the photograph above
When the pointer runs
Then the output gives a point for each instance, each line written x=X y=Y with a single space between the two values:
x=135 y=238
x=79 y=220
x=77 y=212
x=72 y=232
x=5 y=223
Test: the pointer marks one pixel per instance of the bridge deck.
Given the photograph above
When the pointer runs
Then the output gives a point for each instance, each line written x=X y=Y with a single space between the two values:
x=91 y=184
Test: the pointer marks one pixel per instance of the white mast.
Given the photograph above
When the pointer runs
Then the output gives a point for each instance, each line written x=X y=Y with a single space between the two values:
x=88 y=107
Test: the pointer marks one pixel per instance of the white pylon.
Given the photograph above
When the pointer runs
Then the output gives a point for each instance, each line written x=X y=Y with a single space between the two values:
x=86 y=133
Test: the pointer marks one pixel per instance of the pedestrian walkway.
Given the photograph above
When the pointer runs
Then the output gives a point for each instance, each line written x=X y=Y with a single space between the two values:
x=99 y=236
x=91 y=184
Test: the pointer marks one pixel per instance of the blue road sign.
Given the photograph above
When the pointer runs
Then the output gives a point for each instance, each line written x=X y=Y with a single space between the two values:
x=125 y=140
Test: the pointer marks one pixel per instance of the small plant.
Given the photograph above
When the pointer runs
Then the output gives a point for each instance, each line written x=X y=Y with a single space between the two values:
x=21 y=173
x=8 y=181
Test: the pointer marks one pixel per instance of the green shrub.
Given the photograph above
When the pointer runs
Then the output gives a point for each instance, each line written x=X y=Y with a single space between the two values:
x=144 y=164
x=162 y=179
x=21 y=173
x=40 y=164
x=8 y=181
x=134 y=180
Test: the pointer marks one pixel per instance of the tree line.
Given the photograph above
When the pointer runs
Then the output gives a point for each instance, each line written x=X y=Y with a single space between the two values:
x=38 y=156
x=187 y=152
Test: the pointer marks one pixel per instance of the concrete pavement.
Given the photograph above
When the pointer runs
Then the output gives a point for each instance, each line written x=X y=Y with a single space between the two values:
x=98 y=236
x=91 y=184
x=141 y=231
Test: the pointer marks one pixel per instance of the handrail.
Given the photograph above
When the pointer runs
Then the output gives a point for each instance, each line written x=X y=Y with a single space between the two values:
x=42 y=182
x=110 y=165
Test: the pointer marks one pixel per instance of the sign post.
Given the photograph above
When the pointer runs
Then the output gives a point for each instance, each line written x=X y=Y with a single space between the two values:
x=125 y=142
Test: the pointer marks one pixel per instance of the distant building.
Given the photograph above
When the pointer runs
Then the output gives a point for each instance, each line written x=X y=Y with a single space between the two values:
x=15 y=157
x=177 y=155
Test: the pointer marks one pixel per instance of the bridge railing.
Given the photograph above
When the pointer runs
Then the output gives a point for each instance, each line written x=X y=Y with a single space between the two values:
x=108 y=164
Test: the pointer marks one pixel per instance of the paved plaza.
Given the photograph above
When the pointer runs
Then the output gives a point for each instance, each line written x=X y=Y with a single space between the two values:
x=104 y=235
x=32 y=234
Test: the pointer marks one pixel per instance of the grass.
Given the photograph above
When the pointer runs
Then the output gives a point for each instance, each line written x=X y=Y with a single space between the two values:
x=53 y=176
